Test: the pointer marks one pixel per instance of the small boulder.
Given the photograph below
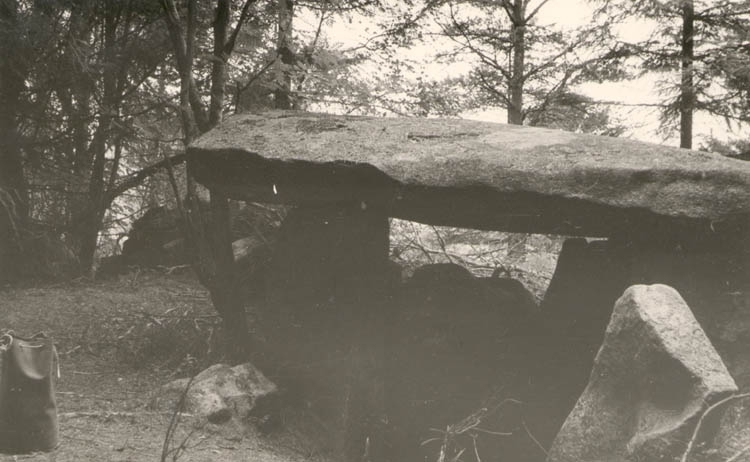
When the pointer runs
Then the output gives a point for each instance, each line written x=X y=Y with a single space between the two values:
x=654 y=375
x=221 y=392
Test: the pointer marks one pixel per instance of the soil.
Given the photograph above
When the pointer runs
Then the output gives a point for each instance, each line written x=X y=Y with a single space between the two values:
x=122 y=338
x=113 y=361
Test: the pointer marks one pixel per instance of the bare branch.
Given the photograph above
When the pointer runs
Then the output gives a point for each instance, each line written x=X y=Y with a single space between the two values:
x=535 y=11
x=244 y=15
x=133 y=180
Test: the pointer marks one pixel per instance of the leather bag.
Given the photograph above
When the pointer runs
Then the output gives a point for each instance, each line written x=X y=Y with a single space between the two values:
x=28 y=410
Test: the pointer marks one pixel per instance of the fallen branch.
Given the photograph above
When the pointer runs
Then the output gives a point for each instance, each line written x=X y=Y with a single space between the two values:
x=109 y=414
x=469 y=425
x=536 y=441
x=172 y=269
x=708 y=410
x=173 y=423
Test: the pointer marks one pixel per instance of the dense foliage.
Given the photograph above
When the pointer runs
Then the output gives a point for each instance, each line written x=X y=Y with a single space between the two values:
x=100 y=97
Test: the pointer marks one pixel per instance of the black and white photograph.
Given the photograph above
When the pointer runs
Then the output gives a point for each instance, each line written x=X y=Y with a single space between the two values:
x=375 y=230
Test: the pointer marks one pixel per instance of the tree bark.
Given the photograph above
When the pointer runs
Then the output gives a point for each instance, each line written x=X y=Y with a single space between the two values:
x=517 y=242
x=14 y=191
x=94 y=210
x=282 y=94
x=209 y=237
x=516 y=80
x=225 y=289
x=687 y=87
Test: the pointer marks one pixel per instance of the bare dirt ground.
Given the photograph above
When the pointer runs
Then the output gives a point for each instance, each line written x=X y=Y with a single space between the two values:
x=119 y=341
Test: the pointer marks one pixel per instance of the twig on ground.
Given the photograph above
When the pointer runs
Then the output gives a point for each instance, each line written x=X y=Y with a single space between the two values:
x=108 y=414
x=476 y=449
x=172 y=427
x=469 y=425
x=95 y=397
x=172 y=269
x=708 y=410
x=533 y=438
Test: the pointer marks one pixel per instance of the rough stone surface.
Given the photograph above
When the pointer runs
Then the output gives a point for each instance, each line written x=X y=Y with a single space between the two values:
x=220 y=392
x=654 y=375
x=474 y=174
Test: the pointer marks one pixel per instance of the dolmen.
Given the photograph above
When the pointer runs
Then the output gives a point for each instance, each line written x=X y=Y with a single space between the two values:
x=646 y=320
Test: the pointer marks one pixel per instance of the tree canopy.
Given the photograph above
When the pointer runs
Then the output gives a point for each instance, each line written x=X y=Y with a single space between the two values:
x=99 y=98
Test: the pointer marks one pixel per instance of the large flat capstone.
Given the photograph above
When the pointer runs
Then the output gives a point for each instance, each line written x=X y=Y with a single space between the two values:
x=474 y=174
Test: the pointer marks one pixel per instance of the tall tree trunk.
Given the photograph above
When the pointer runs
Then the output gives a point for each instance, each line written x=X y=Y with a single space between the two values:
x=14 y=191
x=516 y=81
x=209 y=236
x=282 y=94
x=93 y=214
x=226 y=293
x=516 y=252
x=687 y=87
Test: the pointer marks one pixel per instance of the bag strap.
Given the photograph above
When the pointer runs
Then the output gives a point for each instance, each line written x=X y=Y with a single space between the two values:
x=56 y=361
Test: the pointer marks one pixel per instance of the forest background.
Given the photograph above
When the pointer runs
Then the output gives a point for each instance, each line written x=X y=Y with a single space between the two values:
x=99 y=98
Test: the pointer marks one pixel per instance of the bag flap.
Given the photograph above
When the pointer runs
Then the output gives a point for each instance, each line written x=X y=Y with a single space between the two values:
x=32 y=357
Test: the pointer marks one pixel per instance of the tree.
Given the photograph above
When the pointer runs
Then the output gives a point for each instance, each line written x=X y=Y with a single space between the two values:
x=74 y=89
x=738 y=149
x=299 y=69
x=102 y=98
x=518 y=64
x=698 y=40
x=14 y=188
x=285 y=55
x=209 y=235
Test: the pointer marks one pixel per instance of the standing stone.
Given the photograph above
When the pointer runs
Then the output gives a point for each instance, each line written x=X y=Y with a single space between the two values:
x=588 y=278
x=329 y=253
x=654 y=375
x=328 y=274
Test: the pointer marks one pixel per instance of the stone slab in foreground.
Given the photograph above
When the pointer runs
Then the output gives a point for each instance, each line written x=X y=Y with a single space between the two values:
x=474 y=174
x=655 y=374
x=220 y=392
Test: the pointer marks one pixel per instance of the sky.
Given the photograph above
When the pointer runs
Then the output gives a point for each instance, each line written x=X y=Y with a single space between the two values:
x=643 y=122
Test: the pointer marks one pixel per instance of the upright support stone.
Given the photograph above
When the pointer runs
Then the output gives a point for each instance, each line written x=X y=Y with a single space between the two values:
x=328 y=276
x=330 y=253
x=654 y=375
x=713 y=277
x=588 y=278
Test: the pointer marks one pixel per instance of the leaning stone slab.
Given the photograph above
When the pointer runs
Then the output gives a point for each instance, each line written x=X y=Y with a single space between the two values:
x=653 y=377
x=220 y=392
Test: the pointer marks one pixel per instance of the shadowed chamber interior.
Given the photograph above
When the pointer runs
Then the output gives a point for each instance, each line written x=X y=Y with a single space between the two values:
x=447 y=350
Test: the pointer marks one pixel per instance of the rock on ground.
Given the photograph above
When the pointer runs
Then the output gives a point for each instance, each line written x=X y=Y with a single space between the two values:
x=220 y=392
x=654 y=375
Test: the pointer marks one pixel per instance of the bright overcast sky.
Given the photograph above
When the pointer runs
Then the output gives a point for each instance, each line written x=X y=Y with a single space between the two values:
x=643 y=122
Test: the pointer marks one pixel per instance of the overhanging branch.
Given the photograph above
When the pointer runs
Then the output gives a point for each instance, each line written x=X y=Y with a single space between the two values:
x=135 y=179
